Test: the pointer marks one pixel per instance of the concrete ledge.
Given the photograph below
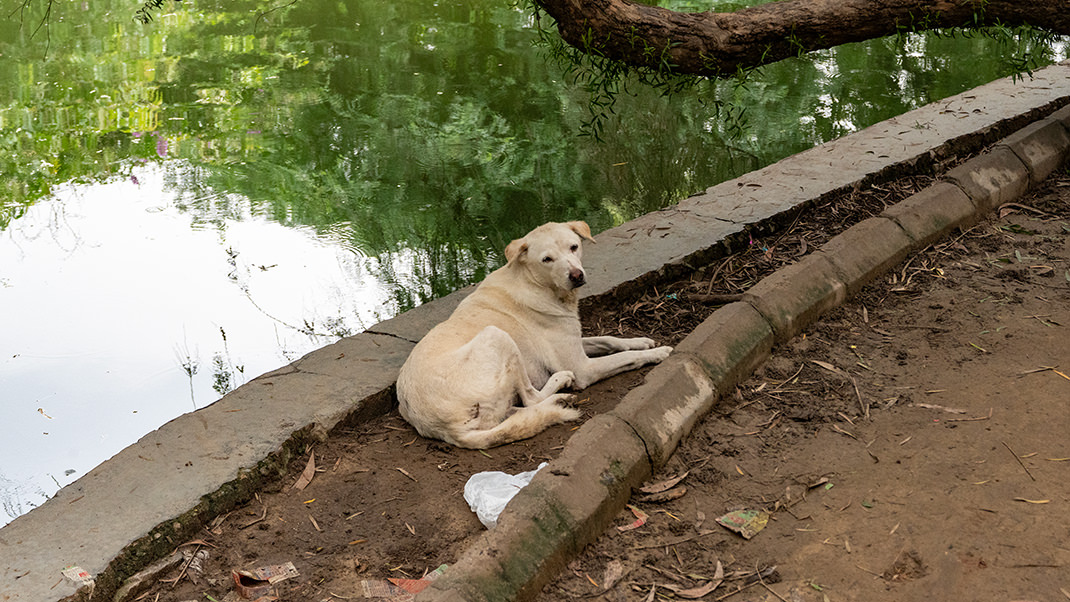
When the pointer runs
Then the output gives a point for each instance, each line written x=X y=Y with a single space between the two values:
x=1041 y=146
x=708 y=363
x=662 y=410
x=1062 y=116
x=933 y=213
x=568 y=504
x=991 y=179
x=865 y=250
x=794 y=296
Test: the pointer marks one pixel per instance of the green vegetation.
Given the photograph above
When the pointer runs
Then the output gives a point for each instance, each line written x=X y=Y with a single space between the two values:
x=431 y=132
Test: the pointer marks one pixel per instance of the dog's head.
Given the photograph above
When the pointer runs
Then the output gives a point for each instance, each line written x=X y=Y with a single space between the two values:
x=552 y=254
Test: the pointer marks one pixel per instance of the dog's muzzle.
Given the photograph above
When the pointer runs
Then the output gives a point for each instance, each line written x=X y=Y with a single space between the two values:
x=577 y=277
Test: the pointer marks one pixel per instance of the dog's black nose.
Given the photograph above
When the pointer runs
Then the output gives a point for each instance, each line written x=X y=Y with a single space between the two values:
x=577 y=278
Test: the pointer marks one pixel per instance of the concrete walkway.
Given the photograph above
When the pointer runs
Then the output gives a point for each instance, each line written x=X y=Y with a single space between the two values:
x=156 y=493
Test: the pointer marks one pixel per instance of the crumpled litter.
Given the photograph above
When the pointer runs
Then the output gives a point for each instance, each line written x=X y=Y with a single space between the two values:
x=487 y=493
x=79 y=577
x=745 y=522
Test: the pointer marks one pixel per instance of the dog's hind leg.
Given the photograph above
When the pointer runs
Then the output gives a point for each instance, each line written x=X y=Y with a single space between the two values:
x=494 y=349
x=523 y=423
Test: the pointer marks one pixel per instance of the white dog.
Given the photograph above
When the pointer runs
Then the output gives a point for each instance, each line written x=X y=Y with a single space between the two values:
x=516 y=336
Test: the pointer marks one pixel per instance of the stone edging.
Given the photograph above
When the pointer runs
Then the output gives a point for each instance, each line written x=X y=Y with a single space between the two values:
x=574 y=499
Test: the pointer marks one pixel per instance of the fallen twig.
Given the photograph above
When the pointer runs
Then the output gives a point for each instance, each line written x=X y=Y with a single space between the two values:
x=971 y=419
x=675 y=541
x=714 y=298
x=762 y=581
x=736 y=591
x=1024 y=467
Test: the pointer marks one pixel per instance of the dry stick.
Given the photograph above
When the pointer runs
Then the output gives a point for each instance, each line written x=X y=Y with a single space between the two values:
x=1035 y=370
x=863 y=406
x=738 y=589
x=790 y=378
x=717 y=271
x=185 y=566
x=1019 y=461
x=263 y=515
x=924 y=327
x=877 y=575
x=715 y=299
x=675 y=541
x=762 y=581
x=971 y=419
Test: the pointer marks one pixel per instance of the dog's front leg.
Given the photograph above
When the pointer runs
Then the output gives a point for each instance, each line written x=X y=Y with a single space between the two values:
x=590 y=370
x=594 y=346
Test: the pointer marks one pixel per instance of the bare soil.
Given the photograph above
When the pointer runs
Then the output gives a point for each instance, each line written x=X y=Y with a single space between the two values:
x=913 y=444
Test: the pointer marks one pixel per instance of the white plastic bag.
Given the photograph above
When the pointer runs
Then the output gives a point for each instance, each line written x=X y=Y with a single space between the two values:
x=487 y=493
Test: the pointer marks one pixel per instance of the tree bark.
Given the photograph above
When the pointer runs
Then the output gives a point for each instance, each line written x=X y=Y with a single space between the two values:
x=719 y=44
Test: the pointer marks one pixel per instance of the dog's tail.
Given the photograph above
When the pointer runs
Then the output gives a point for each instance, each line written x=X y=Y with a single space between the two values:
x=523 y=423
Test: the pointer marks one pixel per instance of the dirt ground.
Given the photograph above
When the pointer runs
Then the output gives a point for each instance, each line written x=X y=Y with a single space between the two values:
x=914 y=444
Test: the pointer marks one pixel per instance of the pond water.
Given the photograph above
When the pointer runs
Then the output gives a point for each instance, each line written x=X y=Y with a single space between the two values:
x=190 y=203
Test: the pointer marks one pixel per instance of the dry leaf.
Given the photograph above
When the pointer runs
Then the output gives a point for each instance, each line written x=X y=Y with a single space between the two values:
x=818 y=483
x=664 y=485
x=702 y=590
x=828 y=366
x=664 y=496
x=640 y=519
x=307 y=473
x=613 y=574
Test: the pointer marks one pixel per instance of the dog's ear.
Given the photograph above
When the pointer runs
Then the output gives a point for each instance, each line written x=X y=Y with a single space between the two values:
x=582 y=229
x=515 y=249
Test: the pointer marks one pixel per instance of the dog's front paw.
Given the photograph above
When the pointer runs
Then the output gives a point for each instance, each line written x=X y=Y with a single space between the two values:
x=660 y=353
x=643 y=343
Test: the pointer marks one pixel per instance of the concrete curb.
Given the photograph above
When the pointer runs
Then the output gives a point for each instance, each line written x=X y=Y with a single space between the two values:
x=560 y=513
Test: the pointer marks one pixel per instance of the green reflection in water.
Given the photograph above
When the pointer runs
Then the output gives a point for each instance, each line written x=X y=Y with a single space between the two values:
x=437 y=129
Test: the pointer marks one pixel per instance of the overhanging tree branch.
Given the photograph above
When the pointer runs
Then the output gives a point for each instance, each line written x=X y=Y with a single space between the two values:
x=720 y=44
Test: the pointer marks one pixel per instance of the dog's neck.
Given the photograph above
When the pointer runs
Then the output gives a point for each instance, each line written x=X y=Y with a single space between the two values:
x=551 y=302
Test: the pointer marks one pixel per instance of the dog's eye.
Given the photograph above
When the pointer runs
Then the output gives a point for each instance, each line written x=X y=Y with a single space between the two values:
x=573 y=248
x=547 y=259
